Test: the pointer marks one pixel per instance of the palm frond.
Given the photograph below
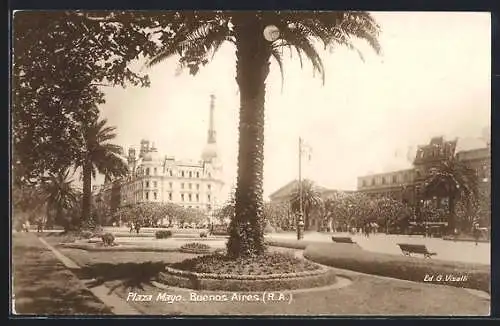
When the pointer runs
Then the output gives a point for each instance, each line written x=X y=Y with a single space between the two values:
x=279 y=59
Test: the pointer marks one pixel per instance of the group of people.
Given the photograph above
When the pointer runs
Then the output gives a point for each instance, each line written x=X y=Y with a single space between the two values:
x=366 y=229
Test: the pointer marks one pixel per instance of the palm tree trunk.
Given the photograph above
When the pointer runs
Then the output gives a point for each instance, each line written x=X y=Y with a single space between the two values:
x=87 y=192
x=252 y=67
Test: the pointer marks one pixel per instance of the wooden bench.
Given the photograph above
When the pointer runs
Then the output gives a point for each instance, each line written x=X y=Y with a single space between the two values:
x=343 y=240
x=409 y=249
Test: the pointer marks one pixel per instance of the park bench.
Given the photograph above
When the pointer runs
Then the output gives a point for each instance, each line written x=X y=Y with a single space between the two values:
x=343 y=240
x=409 y=249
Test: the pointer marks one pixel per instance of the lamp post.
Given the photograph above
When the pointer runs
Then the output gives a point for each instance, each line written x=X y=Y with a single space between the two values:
x=300 y=221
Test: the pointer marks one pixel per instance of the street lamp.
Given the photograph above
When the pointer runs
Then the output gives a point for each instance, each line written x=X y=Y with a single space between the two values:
x=300 y=227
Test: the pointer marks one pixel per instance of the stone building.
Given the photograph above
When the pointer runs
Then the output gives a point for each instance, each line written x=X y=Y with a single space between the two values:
x=407 y=185
x=156 y=178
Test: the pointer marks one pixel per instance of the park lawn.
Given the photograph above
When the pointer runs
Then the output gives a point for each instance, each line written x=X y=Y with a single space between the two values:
x=44 y=286
x=125 y=272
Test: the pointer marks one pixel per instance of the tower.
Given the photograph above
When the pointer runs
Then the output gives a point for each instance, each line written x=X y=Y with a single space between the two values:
x=210 y=152
x=211 y=127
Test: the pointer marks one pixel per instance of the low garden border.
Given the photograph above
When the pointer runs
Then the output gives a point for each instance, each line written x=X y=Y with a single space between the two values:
x=249 y=283
x=463 y=275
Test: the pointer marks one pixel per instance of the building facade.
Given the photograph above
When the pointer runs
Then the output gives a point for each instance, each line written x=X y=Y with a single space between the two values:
x=284 y=196
x=407 y=185
x=155 y=178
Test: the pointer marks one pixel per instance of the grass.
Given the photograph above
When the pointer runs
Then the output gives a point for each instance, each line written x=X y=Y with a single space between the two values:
x=367 y=295
x=354 y=258
x=43 y=286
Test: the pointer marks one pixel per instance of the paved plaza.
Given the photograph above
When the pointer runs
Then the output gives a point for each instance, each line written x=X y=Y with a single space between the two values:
x=460 y=251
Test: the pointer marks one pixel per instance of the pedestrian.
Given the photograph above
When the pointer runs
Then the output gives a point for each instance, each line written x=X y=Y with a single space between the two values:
x=131 y=227
x=476 y=233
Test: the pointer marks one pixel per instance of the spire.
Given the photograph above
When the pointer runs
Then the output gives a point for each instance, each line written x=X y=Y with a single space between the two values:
x=211 y=128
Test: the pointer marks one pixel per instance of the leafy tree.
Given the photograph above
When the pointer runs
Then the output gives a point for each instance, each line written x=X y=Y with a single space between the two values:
x=277 y=215
x=201 y=34
x=391 y=212
x=456 y=181
x=98 y=155
x=61 y=61
x=310 y=200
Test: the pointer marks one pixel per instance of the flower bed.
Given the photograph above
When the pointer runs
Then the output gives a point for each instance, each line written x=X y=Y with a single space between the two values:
x=416 y=269
x=195 y=248
x=270 y=272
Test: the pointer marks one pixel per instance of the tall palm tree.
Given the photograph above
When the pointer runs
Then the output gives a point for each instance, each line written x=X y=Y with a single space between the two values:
x=455 y=180
x=311 y=200
x=60 y=197
x=98 y=156
x=201 y=34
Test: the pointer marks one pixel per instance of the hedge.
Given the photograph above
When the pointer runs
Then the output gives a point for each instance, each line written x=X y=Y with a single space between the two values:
x=292 y=244
x=354 y=258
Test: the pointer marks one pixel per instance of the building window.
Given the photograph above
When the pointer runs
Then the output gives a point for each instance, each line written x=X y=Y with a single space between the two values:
x=197 y=197
x=208 y=197
x=394 y=179
x=209 y=207
x=170 y=185
x=154 y=195
x=182 y=174
x=383 y=180
x=209 y=187
x=147 y=195
x=373 y=182
x=190 y=198
x=189 y=186
x=364 y=183
x=182 y=197
x=197 y=174
x=189 y=206
x=154 y=171
x=171 y=173
x=147 y=171
x=197 y=186
x=147 y=184
x=170 y=196
x=182 y=185
x=155 y=184
x=209 y=174
x=190 y=174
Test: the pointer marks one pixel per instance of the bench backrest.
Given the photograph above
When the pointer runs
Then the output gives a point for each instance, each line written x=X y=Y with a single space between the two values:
x=413 y=247
x=342 y=239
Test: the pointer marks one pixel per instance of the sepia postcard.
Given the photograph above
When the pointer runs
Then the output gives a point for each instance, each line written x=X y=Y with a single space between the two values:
x=225 y=163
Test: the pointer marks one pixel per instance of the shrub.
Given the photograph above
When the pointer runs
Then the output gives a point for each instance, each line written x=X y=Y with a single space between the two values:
x=220 y=230
x=108 y=239
x=86 y=234
x=163 y=234
x=269 y=229
x=354 y=258
x=203 y=235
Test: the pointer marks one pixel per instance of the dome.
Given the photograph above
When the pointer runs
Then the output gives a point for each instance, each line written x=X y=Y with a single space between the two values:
x=209 y=152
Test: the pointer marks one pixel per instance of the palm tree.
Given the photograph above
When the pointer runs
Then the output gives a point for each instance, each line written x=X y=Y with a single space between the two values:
x=98 y=156
x=60 y=197
x=455 y=180
x=311 y=200
x=200 y=35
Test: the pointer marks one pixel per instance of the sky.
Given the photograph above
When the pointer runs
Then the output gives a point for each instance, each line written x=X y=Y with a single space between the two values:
x=432 y=79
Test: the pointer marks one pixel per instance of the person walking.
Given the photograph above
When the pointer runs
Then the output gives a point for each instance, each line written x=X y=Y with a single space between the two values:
x=476 y=232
